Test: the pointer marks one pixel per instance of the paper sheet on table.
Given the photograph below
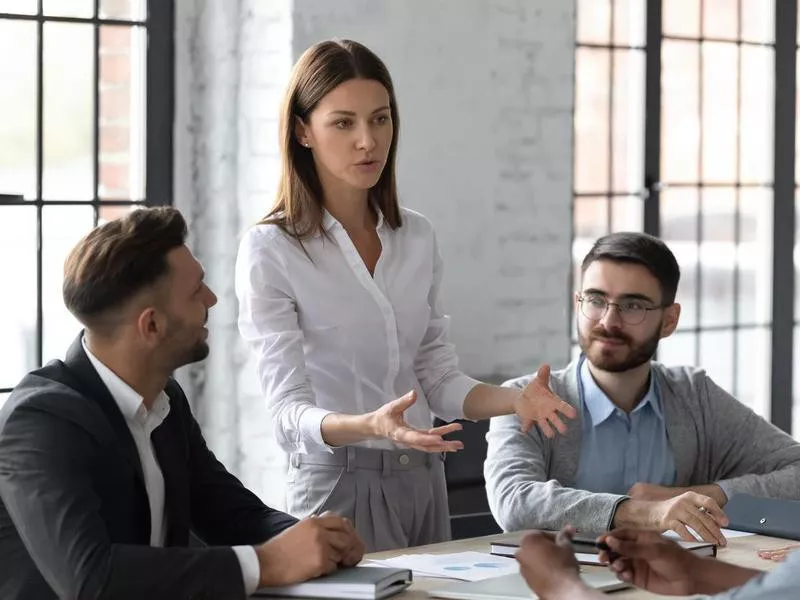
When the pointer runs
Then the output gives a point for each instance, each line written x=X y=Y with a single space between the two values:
x=385 y=563
x=728 y=533
x=588 y=559
x=466 y=566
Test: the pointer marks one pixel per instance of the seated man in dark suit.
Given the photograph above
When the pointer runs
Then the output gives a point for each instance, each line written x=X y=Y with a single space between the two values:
x=103 y=470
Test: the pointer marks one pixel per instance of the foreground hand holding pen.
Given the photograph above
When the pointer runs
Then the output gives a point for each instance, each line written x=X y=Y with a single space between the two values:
x=642 y=558
x=549 y=567
x=648 y=560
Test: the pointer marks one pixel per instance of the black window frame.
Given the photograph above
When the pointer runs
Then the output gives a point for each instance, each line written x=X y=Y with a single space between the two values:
x=159 y=25
x=783 y=321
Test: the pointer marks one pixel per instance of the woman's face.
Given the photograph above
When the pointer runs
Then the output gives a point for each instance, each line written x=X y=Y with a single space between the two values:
x=349 y=133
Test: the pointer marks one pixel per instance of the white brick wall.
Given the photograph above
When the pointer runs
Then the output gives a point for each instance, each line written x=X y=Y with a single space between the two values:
x=485 y=93
x=230 y=77
x=266 y=52
x=206 y=185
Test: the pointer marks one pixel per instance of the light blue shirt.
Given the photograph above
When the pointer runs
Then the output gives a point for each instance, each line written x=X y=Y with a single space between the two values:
x=619 y=449
x=783 y=583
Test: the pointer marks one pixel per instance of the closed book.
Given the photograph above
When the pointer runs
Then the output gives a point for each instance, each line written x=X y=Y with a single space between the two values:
x=585 y=550
x=368 y=583
x=764 y=516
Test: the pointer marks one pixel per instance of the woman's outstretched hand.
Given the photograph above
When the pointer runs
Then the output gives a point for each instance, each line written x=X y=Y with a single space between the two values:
x=538 y=405
x=389 y=422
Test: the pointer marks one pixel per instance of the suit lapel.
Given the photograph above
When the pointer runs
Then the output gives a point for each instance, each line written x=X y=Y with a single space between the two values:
x=165 y=441
x=92 y=387
x=176 y=478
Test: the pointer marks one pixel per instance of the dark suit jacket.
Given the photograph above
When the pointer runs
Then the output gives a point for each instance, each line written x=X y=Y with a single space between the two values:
x=75 y=518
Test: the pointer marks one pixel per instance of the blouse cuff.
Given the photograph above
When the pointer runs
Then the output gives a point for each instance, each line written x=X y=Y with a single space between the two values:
x=449 y=404
x=311 y=431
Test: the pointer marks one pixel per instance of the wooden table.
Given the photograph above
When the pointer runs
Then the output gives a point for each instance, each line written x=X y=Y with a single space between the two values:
x=740 y=551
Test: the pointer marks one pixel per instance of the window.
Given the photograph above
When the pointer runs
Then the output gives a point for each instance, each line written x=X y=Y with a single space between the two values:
x=86 y=116
x=714 y=76
x=715 y=204
x=609 y=124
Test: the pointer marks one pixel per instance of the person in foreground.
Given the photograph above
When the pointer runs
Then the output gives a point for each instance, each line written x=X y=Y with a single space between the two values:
x=656 y=447
x=649 y=561
x=339 y=290
x=103 y=470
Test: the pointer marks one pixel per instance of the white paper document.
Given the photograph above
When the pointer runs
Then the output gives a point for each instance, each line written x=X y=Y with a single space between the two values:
x=728 y=533
x=588 y=559
x=466 y=566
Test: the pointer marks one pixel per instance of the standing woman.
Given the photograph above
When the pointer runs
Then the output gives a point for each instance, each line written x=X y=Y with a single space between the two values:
x=339 y=298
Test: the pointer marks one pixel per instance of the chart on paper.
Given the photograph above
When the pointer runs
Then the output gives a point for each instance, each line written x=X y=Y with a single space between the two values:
x=466 y=566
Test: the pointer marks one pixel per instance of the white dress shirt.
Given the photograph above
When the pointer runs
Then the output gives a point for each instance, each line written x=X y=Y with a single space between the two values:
x=329 y=337
x=141 y=423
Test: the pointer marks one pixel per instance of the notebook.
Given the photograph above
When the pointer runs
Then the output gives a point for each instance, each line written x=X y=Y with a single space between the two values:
x=368 y=583
x=513 y=587
x=765 y=516
x=587 y=554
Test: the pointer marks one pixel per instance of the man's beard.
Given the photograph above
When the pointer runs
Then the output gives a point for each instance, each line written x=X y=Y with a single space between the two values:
x=637 y=355
x=183 y=352
x=199 y=351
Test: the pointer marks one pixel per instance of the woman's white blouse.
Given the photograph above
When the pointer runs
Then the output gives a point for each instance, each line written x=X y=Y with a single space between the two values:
x=330 y=338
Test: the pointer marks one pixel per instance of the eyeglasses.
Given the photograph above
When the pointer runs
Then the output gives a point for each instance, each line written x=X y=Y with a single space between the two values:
x=632 y=312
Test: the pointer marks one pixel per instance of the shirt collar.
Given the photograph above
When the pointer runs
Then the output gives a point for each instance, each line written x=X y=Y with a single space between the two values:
x=130 y=403
x=328 y=220
x=600 y=406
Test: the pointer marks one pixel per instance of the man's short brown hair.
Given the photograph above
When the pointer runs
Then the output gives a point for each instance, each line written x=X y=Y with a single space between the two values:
x=119 y=259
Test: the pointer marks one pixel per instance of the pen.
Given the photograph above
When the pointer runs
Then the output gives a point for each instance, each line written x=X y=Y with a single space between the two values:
x=612 y=556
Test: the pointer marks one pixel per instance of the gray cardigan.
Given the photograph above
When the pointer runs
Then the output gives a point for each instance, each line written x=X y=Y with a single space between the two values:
x=714 y=438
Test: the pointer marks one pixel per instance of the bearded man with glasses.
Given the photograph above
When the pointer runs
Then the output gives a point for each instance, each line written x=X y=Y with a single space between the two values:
x=656 y=447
